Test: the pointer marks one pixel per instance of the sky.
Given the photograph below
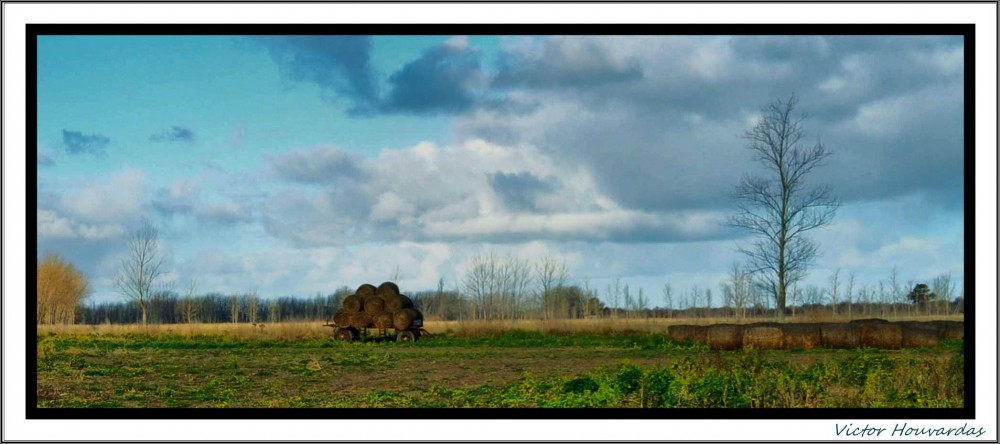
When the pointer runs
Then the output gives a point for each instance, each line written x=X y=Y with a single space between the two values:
x=294 y=165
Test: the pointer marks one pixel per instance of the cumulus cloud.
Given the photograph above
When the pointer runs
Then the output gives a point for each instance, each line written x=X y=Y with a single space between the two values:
x=474 y=192
x=119 y=197
x=656 y=121
x=174 y=134
x=339 y=65
x=670 y=138
x=77 y=142
x=563 y=62
x=54 y=226
x=180 y=197
x=184 y=197
x=320 y=165
x=227 y=213
x=445 y=79
x=519 y=190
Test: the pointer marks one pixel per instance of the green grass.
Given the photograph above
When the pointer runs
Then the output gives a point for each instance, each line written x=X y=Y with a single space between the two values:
x=513 y=338
x=509 y=369
x=864 y=380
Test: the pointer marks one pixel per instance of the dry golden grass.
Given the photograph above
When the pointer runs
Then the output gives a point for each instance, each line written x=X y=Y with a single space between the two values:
x=316 y=329
x=282 y=330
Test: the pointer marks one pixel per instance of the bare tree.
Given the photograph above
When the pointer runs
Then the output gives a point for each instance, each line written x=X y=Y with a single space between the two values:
x=896 y=291
x=708 y=302
x=668 y=298
x=478 y=284
x=550 y=276
x=234 y=308
x=794 y=299
x=850 y=297
x=695 y=300
x=629 y=303
x=497 y=286
x=864 y=297
x=274 y=311
x=780 y=208
x=142 y=267
x=188 y=303
x=253 y=305
x=835 y=290
x=944 y=288
x=641 y=304
x=737 y=290
x=813 y=296
x=614 y=295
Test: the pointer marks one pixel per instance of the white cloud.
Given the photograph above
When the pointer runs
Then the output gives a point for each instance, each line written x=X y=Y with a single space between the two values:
x=52 y=226
x=225 y=213
x=392 y=207
x=116 y=198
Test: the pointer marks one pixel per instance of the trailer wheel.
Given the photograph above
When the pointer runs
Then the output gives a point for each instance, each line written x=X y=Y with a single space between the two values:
x=406 y=336
x=344 y=334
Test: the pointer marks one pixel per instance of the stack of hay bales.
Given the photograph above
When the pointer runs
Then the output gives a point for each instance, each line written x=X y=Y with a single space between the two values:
x=875 y=333
x=804 y=336
x=879 y=333
x=839 y=335
x=379 y=307
x=693 y=333
x=950 y=329
x=724 y=336
x=763 y=335
x=919 y=334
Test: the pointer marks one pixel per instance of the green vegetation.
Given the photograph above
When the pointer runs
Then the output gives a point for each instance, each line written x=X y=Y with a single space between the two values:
x=865 y=379
x=510 y=369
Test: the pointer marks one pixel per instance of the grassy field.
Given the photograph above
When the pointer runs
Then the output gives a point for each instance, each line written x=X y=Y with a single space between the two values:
x=316 y=330
x=568 y=364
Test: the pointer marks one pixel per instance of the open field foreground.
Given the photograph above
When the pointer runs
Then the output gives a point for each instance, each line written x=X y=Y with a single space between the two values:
x=290 y=366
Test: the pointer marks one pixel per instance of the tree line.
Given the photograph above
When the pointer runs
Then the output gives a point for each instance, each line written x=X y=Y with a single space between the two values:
x=498 y=287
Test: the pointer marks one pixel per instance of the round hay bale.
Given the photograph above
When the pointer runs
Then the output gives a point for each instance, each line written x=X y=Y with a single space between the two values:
x=354 y=303
x=360 y=319
x=762 y=336
x=917 y=324
x=374 y=305
x=693 y=333
x=383 y=320
x=919 y=334
x=403 y=319
x=387 y=289
x=365 y=290
x=869 y=321
x=951 y=329
x=884 y=336
x=724 y=336
x=342 y=318
x=805 y=335
x=763 y=324
x=838 y=335
x=397 y=302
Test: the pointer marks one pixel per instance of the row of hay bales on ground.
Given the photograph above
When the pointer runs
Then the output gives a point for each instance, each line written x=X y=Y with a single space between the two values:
x=381 y=307
x=875 y=333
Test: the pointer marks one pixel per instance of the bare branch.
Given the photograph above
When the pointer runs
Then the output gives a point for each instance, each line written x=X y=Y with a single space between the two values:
x=142 y=267
x=781 y=208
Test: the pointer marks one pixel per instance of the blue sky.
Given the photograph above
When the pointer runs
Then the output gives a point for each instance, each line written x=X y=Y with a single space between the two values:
x=298 y=164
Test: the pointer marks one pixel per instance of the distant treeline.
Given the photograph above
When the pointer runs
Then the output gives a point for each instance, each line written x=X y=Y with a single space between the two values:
x=172 y=308
x=560 y=303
